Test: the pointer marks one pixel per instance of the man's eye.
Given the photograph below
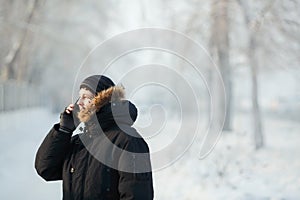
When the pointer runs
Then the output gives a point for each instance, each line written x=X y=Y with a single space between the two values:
x=88 y=98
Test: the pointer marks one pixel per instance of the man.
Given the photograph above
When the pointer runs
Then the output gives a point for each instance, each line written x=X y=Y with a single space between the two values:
x=101 y=161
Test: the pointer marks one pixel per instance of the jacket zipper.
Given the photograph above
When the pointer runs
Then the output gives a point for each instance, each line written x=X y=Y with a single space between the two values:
x=85 y=172
x=71 y=171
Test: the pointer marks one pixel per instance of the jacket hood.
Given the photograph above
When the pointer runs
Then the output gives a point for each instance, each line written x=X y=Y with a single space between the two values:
x=110 y=109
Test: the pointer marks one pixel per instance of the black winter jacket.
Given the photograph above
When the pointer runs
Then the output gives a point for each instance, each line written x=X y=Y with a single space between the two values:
x=75 y=161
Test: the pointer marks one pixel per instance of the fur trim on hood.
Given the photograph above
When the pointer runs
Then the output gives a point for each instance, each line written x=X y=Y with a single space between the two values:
x=112 y=94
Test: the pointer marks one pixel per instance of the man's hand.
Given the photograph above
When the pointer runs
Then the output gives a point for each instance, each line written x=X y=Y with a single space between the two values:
x=66 y=120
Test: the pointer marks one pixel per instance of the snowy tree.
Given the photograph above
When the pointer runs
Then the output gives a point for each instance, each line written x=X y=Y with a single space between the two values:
x=220 y=47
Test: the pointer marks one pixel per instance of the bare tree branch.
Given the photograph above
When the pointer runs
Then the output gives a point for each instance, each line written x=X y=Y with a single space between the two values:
x=14 y=52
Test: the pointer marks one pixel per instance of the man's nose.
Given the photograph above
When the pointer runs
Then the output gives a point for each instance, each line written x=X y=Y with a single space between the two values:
x=80 y=102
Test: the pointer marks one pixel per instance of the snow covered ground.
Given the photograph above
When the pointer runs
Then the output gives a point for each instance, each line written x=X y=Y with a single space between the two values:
x=234 y=170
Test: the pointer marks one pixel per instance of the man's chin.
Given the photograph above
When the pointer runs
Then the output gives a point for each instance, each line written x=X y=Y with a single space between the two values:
x=81 y=108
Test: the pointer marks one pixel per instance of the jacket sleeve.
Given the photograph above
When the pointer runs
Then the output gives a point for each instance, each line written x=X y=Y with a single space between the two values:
x=51 y=153
x=135 y=184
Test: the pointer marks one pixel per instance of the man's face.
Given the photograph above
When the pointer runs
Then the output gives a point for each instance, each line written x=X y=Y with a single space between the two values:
x=85 y=98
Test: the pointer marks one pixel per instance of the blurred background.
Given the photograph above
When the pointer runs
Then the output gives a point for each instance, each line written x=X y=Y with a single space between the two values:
x=254 y=44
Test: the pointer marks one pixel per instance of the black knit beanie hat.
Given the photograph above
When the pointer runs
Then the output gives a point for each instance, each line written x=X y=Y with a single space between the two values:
x=97 y=83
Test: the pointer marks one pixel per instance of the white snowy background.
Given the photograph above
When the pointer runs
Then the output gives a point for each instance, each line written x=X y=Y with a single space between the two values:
x=59 y=35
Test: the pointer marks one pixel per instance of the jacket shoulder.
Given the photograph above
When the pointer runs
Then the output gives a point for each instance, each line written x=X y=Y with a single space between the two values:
x=129 y=140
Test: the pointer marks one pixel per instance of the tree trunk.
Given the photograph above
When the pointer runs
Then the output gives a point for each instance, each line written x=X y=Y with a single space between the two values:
x=219 y=44
x=258 y=135
x=257 y=121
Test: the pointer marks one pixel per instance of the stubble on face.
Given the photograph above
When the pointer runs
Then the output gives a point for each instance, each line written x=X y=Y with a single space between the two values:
x=85 y=98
